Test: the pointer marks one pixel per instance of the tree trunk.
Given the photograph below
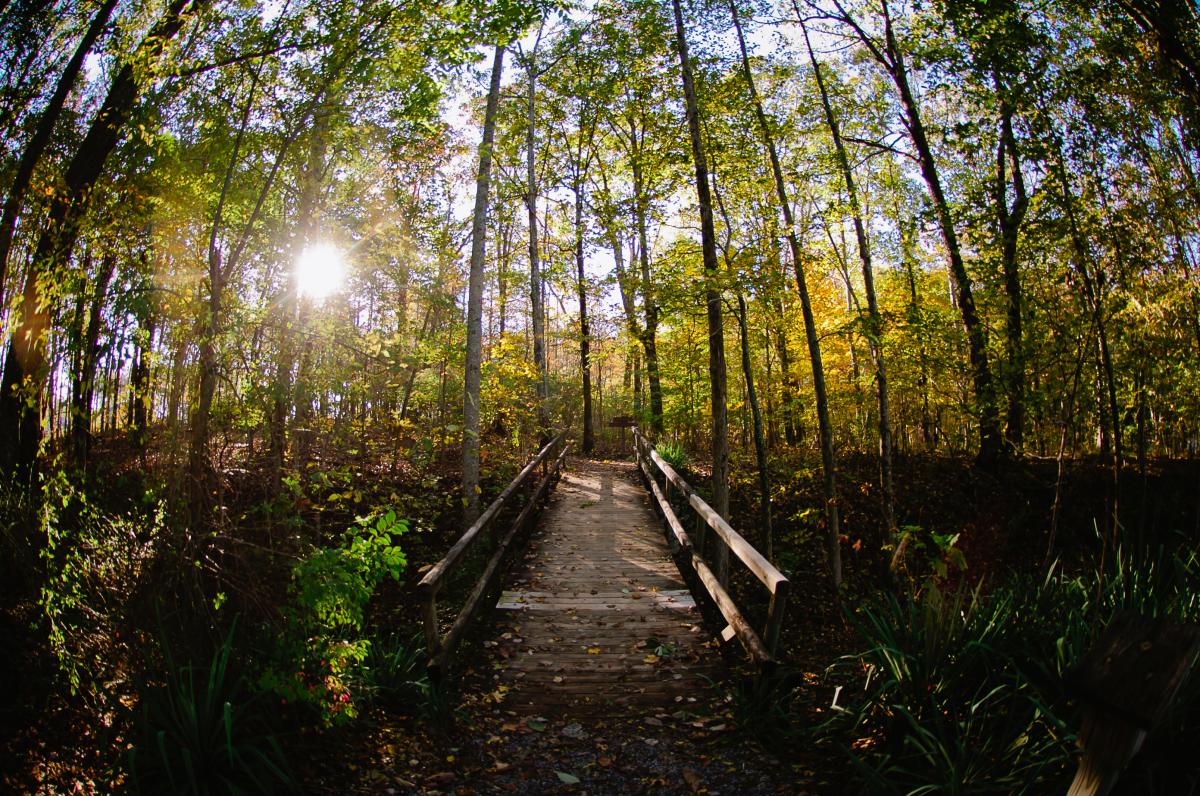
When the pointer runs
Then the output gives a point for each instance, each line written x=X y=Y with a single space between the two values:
x=1009 y=224
x=536 y=298
x=649 y=305
x=219 y=268
x=139 y=419
x=472 y=377
x=32 y=153
x=25 y=366
x=824 y=425
x=585 y=334
x=712 y=294
x=292 y=324
x=890 y=57
x=990 y=448
x=874 y=321
x=85 y=387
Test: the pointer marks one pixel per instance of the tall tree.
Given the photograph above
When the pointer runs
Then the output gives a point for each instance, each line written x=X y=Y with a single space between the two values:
x=712 y=296
x=824 y=423
x=31 y=155
x=536 y=297
x=475 y=298
x=889 y=55
x=25 y=365
x=874 y=320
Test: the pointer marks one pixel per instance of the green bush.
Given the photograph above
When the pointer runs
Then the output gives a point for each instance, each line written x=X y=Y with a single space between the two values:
x=395 y=670
x=672 y=453
x=203 y=732
x=964 y=691
x=323 y=652
x=91 y=561
x=394 y=674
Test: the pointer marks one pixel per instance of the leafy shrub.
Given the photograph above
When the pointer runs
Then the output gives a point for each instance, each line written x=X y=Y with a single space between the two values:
x=395 y=670
x=394 y=673
x=325 y=649
x=964 y=691
x=202 y=732
x=90 y=564
x=672 y=453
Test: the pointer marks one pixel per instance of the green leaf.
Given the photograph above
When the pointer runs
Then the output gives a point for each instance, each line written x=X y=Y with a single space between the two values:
x=567 y=779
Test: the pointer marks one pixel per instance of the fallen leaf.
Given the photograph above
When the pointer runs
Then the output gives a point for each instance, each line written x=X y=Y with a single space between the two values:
x=567 y=779
x=536 y=725
x=651 y=659
x=604 y=762
x=593 y=651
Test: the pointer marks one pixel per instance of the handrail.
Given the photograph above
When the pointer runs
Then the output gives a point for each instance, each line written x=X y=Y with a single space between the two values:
x=440 y=649
x=761 y=649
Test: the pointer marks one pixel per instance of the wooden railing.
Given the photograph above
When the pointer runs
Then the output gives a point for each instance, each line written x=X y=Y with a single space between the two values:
x=441 y=649
x=761 y=649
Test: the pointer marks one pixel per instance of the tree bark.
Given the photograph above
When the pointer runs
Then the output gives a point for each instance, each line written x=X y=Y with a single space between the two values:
x=824 y=425
x=140 y=396
x=585 y=334
x=25 y=366
x=649 y=305
x=874 y=321
x=84 y=389
x=292 y=322
x=472 y=378
x=712 y=295
x=220 y=268
x=1009 y=224
x=536 y=298
x=991 y=449
x=32 y=153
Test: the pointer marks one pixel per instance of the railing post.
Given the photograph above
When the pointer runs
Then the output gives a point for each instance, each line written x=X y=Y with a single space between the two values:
x=775 y=615
x=433 y=637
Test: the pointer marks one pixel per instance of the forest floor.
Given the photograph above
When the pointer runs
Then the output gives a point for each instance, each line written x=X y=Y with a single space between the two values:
x=461 y=742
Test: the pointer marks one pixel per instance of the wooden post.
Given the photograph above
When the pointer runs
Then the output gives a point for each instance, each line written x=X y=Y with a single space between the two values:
x=775 y=615
x=433 y=637
x=699 y=533
x=1127 y=683
x=623 y=422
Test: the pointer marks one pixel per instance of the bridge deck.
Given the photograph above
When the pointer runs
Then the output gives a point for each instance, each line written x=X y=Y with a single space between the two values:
x=596 y=620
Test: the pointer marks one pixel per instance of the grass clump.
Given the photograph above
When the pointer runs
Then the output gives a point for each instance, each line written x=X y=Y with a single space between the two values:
x=967 y=691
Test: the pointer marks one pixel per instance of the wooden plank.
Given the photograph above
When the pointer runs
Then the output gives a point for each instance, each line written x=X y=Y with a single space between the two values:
x=569 y=649
x=750 y=640
x=485 y=582
x=775 y=615
x=684 y=544
x=1127 y=683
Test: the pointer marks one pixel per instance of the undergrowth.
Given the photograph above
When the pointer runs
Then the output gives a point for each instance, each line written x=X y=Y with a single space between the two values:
x=965 y=690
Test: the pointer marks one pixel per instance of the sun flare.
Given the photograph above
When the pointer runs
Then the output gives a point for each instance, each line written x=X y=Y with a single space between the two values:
x=320 y=271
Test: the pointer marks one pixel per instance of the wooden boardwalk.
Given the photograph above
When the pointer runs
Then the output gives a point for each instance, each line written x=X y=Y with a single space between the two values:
x=596 y=620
